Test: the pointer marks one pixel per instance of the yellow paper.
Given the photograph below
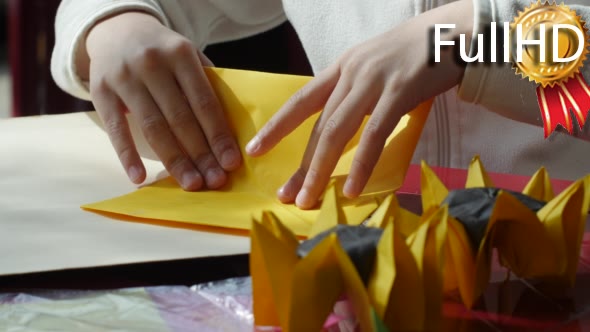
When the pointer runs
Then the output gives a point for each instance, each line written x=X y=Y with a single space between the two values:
x=427 y=247
x=433 y=255
x=523 y=243
x=433 y=190
x=564 y=217
x=331 y=213
x=459 y=267
x=385 y=213
x=539 y=187
x=395 y=287
x=477 y=177
x=327 y=273
x=272 y=261
x=278 y=275
x=540 y=245
x=459 y=270
x=249 y=100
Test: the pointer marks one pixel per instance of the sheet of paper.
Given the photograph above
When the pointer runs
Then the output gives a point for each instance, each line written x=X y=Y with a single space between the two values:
x=249 y=100
x=51 y=165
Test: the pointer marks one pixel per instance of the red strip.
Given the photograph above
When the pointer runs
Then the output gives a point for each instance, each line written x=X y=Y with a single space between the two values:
x=579 y=90
x=554 y=109
x=556 y=103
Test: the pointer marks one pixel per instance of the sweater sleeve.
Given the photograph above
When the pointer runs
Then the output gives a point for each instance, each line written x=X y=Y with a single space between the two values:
x=202 y=21
x=496 y=86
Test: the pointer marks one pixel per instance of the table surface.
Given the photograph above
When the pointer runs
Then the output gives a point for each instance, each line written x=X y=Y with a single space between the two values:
x=54 y=164
x=511 y=304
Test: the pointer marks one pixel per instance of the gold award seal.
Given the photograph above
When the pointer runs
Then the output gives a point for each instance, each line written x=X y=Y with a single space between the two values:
x=548 y=73
x=561 y=87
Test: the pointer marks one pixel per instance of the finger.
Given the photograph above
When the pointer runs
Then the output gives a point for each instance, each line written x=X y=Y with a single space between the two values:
x=184 y=125
x=380 y=125
x=110 y=111
x=336 y=133
x=206 y=107
x=158 y=135
x=288 y=192
x=303 y=104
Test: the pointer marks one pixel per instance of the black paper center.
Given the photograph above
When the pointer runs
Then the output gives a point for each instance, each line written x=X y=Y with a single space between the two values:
x=359 y=242
x=473 y=208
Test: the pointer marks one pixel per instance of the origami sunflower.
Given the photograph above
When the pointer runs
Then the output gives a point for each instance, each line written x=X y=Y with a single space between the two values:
x=395 y=267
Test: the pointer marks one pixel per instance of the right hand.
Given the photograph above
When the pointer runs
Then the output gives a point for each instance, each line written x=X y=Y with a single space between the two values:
x=138 y=64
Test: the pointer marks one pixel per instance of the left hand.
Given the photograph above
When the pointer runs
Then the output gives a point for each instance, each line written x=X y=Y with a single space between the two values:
x=384 y=77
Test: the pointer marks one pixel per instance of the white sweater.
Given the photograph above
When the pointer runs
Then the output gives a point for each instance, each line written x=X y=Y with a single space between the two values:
x=460 y=124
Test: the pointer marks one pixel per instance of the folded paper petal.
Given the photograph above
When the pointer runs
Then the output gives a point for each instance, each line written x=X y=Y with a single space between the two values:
x=426 y=245
x=524 y=245
x=477 y=177
x=564 y=218
x=317 y=284
x=459 y=272
x=272 y=261
x=331 y=213
x=396 y=288
x=433 y=268
x=387 y=211
x=433 y=190
x=318 y=280
x=539 y=186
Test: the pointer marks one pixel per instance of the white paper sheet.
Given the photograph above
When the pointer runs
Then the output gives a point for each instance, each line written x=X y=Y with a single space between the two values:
x=49 y=166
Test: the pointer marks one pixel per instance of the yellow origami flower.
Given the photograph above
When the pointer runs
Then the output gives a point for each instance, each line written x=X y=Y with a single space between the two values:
x=298 y=294
x=416 y=258
x=545 y=244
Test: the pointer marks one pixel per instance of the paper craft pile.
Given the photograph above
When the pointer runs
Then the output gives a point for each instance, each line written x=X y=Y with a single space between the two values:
x=395 y=267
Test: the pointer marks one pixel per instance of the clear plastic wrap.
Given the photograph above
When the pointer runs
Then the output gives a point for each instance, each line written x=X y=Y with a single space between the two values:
x=220 y=306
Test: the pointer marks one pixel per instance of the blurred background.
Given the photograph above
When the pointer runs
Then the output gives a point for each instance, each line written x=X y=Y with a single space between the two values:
x=5 y=91
x=27 y=38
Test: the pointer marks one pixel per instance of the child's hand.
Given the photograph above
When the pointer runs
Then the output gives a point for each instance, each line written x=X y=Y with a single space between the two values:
x=385 y=77
x=138 y=64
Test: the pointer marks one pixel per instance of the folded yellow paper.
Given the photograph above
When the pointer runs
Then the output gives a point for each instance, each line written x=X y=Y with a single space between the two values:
x=545 y=244
x=249 y=100
x=327 y=273
x=417 y=258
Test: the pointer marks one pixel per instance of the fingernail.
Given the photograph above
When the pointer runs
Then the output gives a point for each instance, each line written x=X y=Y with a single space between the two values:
x=134 y=173
x=230 y=158
x=253 y=146
x=303 y=199
x=350 y=189
x=283 y=191
x=215 y=178
x=285 y=194
x=191 y=180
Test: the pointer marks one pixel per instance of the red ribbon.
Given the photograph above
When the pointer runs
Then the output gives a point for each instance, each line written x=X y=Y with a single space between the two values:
x=557 y=101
